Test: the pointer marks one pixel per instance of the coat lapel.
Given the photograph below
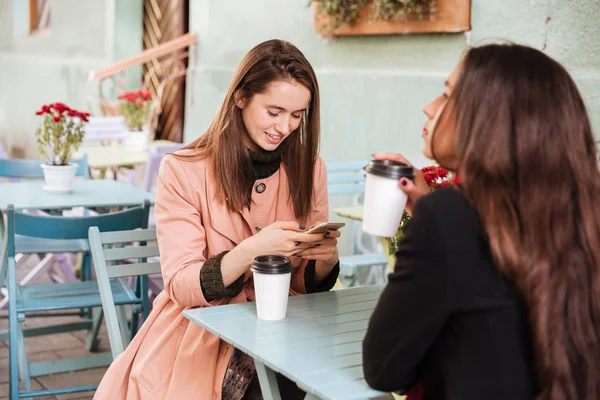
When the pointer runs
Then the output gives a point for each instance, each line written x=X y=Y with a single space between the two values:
x=235 y=226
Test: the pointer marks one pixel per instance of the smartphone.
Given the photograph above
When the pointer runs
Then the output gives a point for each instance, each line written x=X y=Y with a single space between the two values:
x=326 y=226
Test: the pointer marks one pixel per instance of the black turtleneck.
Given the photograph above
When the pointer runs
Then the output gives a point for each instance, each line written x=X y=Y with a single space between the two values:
x=265 y=163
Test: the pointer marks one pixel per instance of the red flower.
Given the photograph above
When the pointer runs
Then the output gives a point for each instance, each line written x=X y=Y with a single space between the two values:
x=136 y=95
x=443 y=184
x=60 y=107
x=59 y=110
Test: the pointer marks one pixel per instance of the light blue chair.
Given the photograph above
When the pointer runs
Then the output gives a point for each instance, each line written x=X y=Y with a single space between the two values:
x=348 y=178
x=45 y=297
x=112 y=253
x=16 y=170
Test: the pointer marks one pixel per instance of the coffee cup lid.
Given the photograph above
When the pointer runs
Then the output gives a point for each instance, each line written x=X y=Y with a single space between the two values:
x=272 y=265
x=390 y=169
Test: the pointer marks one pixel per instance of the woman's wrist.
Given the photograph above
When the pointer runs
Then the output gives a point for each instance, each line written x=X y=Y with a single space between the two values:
x=323 y=269
x=236 y=262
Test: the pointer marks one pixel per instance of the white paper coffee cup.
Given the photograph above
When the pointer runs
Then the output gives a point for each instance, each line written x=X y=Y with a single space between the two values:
x=272 y=275
x=384 y=200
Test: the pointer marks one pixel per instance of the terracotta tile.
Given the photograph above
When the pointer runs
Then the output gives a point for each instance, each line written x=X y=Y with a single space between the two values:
x=35 y=385
x=31 y=357
x=72 y=379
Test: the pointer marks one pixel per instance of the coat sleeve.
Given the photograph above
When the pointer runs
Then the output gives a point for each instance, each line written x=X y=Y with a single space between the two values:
x=412 y=309
x=181 y=235
x=319 y=213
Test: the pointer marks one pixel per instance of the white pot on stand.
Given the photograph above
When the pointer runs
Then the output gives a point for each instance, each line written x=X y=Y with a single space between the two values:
x=59 y=178
x=137 y=140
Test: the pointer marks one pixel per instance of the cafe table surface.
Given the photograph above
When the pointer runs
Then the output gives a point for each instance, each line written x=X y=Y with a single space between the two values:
x=86 y=193
x=103 y=157
x=356 y=213
x=318 y=345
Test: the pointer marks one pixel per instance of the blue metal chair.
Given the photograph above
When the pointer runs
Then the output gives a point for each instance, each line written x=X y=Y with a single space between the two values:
x=112 y=265
x=47 y=297
x=348 y=178
x=16 y=170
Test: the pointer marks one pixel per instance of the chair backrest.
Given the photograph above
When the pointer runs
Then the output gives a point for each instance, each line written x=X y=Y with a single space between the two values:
x=32 y=169
x=109 y=251
x=345 y=177
x=59 y=227
x=155 y=155
x=103 y=128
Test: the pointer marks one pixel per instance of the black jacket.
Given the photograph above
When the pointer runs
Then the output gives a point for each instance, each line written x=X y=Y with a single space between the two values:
x=447 y=316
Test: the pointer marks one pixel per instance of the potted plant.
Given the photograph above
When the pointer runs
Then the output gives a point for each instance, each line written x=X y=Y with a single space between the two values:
x=383 y=17
x=135 y=107
x=61 y=133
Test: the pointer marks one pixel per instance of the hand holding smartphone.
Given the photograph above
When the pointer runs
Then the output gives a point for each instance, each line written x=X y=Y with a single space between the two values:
x=326 y=226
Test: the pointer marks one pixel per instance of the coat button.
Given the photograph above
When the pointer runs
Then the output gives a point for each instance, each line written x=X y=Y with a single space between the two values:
x=260 y=188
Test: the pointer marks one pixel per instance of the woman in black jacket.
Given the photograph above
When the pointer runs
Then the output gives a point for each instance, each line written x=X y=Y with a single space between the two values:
x=496 y=289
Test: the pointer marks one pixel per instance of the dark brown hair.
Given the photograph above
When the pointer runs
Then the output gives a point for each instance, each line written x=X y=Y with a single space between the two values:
x=223 y=142
x=528 y=164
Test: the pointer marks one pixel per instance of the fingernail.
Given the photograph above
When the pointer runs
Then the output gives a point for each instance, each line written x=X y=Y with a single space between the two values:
x=302 y=227
x=327 y=233
x=297 y=243
x=403 y=182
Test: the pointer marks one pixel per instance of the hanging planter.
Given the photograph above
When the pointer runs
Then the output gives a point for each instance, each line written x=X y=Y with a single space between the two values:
x=386 y=17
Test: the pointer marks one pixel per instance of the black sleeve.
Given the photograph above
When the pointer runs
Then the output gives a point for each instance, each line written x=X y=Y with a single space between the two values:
x=326 y=284
x=412 y=307
x=211 y=280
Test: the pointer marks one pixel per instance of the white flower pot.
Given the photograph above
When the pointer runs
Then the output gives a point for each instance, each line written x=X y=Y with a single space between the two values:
x=137 y=140
x=59 y=178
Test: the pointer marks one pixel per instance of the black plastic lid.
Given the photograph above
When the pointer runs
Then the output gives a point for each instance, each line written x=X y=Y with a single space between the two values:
x=272 y=265
x=390 y=169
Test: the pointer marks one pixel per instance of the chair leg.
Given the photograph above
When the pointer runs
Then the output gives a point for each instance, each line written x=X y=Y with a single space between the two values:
x=86 y=271
x=23 y=364
x=91 y=339
x=123 y=323
x=13 y=363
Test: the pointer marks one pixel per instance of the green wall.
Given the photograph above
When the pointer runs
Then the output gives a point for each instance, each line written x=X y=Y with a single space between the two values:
x=373 y=88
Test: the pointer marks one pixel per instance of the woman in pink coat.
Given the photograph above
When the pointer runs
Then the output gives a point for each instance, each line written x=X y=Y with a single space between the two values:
x=249 y=186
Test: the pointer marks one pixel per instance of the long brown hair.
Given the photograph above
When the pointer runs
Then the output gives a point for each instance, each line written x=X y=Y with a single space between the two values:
x=528 y=164
x=223 y=142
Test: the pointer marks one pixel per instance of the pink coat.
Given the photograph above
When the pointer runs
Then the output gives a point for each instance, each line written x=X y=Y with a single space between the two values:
x=170 y=357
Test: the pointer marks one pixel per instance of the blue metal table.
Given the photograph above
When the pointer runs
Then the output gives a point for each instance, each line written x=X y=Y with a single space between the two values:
x=86 y=193
x=318 y=345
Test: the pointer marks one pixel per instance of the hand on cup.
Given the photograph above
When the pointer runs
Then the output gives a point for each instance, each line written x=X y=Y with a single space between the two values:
x=413 y=190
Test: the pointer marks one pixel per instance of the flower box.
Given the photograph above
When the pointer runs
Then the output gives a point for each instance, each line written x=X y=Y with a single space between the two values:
x=449 y=16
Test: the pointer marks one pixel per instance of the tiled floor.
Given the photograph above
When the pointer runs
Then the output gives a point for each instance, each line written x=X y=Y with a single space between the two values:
x=52 y=347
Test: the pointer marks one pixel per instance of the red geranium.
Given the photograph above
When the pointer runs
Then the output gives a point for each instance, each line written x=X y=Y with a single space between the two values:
x=135 y=95
x=61 y=132
x=136 y=108
x=436 y=177
x=60 y=110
